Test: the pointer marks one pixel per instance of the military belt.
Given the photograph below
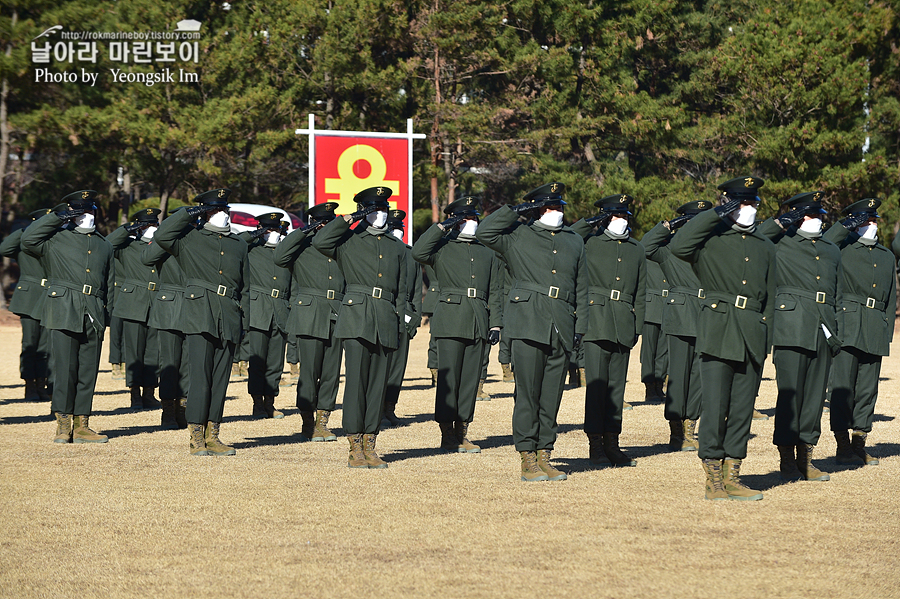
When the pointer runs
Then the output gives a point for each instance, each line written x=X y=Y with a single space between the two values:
x=326 y=293
x=376 y=292
x=552 y=292
x=27 y=279
x=220 y=290
x=613 y=294
x=467 y=292
x=661 y=293
x=149 y=285
x=85 y=289
x=689 y=291
x=819 y=297
x=741 y=302
x=273 y=293
x=868 y=302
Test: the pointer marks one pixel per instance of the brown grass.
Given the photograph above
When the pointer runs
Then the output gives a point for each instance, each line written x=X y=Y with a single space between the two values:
x=140 y=517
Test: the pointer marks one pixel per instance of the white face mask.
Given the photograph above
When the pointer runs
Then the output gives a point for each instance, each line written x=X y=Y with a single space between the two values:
x=812 y=225
x=84 y=221
x=148 y=234
x=273 y=237
x=398 y=233
x=468 y=227
x=745 y=215
x=867 y=231
x=220 y=219
x=552 y=218
x=377 y=219
x=618 y=226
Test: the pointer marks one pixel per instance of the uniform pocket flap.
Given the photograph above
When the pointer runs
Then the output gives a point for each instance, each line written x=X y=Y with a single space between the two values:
x=713 y=305
x=596 y=299
x=165 y=296
x=56 y=291
x=254 y=295
x=194 y=292
x=851 y=307
x=676 y=299
x=23 y=285
x=303 y=300
x=353 y=299
x=519 y=295
x=450 y=298
x=125 y=288
x=785 y=304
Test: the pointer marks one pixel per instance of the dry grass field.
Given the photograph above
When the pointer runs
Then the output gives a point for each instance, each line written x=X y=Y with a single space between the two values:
x=139 y=517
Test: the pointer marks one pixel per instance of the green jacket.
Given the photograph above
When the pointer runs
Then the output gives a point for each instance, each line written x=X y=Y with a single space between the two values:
x=550 y=282
x=216 y=277
x=869 y=283
x=737 y=272
x=429 y=302
x=270 y=287
x=413 y=311
x=374 y=267
x=683 y=297
x=28 y=299
x=80 y=274
x=469 y=300
x=168 y=299
x=317 y=288
x=136 y=283
x=657 y=284
x=807 y=288
x=617 y=291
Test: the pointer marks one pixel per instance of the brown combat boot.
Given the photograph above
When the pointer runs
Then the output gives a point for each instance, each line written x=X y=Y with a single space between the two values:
x=295 y=372
x=731 y=480
x=461 y=429
x=168 y=420
x=136 y=402
x=44 y=390
x=63 y=428
x=320 y=430
x=508 y=376
x=244 y=367
x=449 y=442
x=357 y=458
x=690 y=439
x=371 y=456
x=626 y=406
x=845 y=454
x=82 y=432
x=213 y=445
x=616 y=456
x=148 y=399
x=543 y=459
x=757 y=415
x=805 y=465
x=482 y=394
x=582 y=374
x=531 y=472
x=235 y=369
x=596 y=455
x=788 y=466
x=269 y=406
x=676 y=435
x=858 y=444
x=715 y=488
x=198 y=443
x=259 y=408
x=31 y=390
x=180 y=408
x=308 y=425
x=433 y=376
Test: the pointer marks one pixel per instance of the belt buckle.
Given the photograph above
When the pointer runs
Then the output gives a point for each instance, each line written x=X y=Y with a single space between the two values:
x=151 y=286
x=870 y=302
x=376 y=292
x=740 y=302
x=275 y=293
x=221 y=290
x=553 y=292
x=471 y=291
x=329 y=294
x=43 y=282
x=87 y=289
x=665 y=293
x=820 y=297
x=701 y=294
x=615 y=295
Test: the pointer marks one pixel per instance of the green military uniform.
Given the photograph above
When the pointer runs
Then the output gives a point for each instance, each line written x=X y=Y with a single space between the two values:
x=866 y=322
x=270 y=285
x=429 y=302
x=115 y=345
x=617 y=289
x=135 y=285
x=28 y=304
x=654 y=347
x=682 y=308
x=735 y=265
x=412 y=317
x=808 y=291
x=370 y=321
x=503 y=354
x=80 y=275
x=215 y=310
x=547 y=308
x=317 y=289
x=468 y=308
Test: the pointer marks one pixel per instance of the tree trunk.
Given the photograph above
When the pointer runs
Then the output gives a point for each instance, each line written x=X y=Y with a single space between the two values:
x=436 y=145
x=4 y=127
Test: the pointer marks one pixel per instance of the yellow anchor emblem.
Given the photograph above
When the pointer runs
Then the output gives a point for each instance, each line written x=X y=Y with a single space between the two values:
x=85 y=194
x=748 y=181
x=554 y=187
x=221 y=193
x=871 y=203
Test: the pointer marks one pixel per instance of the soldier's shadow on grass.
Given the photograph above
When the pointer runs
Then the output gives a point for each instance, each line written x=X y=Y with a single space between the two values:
x=763 y=482
x=884 y=450
x=415 y=453
x=417 y=387
x=495 y=442
x=882 y=418
x=27 y=419
x=130 y=431
x=407 y=421
x=16 y=386
x=291 y=439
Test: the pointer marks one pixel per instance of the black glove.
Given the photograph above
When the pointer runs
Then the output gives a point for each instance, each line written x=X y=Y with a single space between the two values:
x=678 y=221
x=132 y=227
x=198 y=210
x=727 y=207
x=451 y=222
x=494 y=336
x=361 y=214
x=855 y=220
x=525 y=207
x=578 y=337
x=599 y=219
x=70 y=213
x=789 y=218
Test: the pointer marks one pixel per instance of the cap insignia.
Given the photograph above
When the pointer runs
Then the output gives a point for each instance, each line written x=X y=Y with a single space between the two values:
x=748 y=181
x=871 y=203
x=85 y=194
x=221 y=193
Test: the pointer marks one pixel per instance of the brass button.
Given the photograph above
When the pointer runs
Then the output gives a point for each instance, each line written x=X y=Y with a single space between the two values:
x=671 y=301
x=873 y=284
x=619 y=259
x=379 y=275
x=223 y=253
x=87 y=270
x=554 y=251
x=220 y=272
x=618 y=279
x=152 y=270
x=89 y=251
x=744 y=282
x=329 y=277
x=554 y=234
x=329 y=259
x=818 y=277
x=714 y=305
x=274 y=278
x=553 y=271
x=54 y=293
x=301 y=303
x=874 y=265
x=379 y=255
x=781 y=306
x=746 y=259
x=517 y=297
x=473 y=276
x=192 y=295
x=472 y=259
x=813 y=240
x=591 y=302
x=349 y=301
x=164 y=297
x=743 y=237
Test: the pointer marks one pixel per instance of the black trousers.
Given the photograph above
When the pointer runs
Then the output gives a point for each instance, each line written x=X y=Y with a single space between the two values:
x=459 y=368
x=140 y=347
x=854 y=391
x=654 y=353
x=540 y=376
x=802 y=377
x=115 y=340
x=432 y=352
x=265 y=355
x=397 y=372
x=320 y=371
x=605 y=367
x=34 y=361
x=503 y=354
x=684 y=390
x=174 y=366
x=291 y=354
x=367 y=366
x=729 y=390
x=76 y=359
x=210 y=359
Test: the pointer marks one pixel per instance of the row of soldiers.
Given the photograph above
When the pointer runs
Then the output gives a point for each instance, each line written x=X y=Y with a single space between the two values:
x=556 y=292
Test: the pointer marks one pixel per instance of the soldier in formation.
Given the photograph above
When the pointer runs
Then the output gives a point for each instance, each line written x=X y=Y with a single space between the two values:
x=654 y=346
